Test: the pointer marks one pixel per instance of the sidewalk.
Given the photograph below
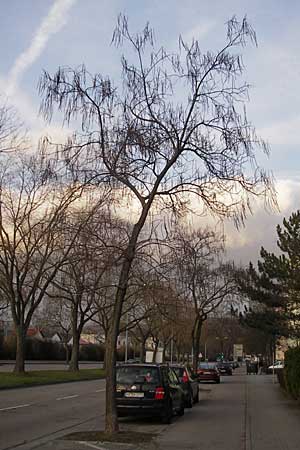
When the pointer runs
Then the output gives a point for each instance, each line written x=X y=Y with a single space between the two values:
x=273 y=420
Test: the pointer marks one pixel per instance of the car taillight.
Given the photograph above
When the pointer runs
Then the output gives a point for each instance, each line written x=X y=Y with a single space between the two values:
x=185 y=378
x=200 y=372
x=159 y=393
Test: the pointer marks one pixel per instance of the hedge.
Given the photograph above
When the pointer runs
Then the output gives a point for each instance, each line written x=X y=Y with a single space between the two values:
x=292 y=371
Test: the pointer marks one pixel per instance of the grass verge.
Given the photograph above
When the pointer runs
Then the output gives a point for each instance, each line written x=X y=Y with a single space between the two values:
x=40 y=377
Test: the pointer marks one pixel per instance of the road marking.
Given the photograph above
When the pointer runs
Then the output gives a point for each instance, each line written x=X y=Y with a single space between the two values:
x=88 y=444
x=15 y=407
x=101 y=390
x=69 y=396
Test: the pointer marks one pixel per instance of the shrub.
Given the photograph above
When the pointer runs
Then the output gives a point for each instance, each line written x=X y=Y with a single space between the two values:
x=91 y=352
x=44 y=350
x=9 y=348
x=292 y=371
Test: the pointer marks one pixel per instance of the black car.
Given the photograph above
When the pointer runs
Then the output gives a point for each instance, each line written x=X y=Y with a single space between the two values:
x=225 y=368
x=148 y=389
x=189 y=384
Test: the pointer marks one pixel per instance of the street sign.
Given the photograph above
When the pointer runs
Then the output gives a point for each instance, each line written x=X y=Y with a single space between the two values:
x=237 y=351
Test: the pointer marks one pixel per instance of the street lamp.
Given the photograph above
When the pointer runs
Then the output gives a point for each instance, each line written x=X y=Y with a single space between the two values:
x=126 y=338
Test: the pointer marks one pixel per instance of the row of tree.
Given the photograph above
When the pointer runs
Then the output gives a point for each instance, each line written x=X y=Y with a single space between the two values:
x=60 y=257
x=174 y=135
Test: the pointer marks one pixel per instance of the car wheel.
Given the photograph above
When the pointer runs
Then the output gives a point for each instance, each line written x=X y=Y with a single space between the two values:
x=167 y=414
x=196 y=399
x=218 y=381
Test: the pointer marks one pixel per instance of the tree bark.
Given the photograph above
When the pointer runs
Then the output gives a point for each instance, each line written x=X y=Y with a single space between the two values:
x=67 y=350
x=111 y=419
x=142 y=352
x=155 y=351
x=20 y=350
x=74 y=365
x=196 y=342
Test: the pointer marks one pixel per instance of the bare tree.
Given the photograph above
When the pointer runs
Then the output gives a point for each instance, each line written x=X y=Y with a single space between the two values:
x=34 y=207
x=12 y=134
x=204 y=280
x=81 y=280
x=55 y=315
x=178 y=128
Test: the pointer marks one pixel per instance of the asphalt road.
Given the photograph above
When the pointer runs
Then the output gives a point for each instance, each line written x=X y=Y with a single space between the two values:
x=242 y=413
x=29 y=414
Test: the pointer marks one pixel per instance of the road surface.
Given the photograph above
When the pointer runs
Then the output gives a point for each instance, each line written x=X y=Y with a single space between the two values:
x=242 y=413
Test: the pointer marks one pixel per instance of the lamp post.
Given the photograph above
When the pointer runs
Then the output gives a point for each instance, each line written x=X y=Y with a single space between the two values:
x=126 y=338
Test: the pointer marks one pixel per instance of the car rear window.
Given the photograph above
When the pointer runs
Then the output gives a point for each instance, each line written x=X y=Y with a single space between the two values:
x=207 y=365
x=133 y=375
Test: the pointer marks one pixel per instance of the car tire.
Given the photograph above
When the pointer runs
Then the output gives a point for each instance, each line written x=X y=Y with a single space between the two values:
x=218 y=381
x=196 y=399
x=166 y=417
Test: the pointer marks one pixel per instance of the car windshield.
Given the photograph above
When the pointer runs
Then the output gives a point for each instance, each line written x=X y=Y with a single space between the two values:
x=207 y=365
x=132 y=375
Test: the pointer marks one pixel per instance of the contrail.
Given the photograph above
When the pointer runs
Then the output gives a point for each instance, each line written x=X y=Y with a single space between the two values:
x=52 y=23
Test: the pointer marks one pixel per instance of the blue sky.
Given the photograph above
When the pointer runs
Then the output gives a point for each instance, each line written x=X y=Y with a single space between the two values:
x=45 y=34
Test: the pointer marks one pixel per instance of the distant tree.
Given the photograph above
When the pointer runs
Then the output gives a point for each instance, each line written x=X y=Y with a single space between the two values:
x=177 y=128
x=81 y=280
x=12 y=134
x=204 y=279
x=34 y=207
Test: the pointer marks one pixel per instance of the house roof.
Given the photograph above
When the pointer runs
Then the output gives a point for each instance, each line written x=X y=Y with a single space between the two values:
x=33 y=332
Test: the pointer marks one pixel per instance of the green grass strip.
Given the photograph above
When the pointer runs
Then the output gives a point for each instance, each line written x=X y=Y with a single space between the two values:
x=39 y=377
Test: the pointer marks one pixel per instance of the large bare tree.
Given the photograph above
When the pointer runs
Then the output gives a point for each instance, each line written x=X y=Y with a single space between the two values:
x=176 y=128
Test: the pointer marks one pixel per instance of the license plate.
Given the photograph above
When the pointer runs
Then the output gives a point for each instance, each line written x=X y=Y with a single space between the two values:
x=206 y=373
x=134 y=394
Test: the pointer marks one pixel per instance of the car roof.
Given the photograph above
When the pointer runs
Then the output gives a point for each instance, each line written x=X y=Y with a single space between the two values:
x=124 y=364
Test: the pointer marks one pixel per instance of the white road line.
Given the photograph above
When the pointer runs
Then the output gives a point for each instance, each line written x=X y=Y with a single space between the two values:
x=101 y=390
x=69 y=396
x=88 y=444
x=15 y=407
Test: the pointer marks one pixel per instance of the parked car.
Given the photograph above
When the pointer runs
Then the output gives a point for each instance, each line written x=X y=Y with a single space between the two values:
x=208 y=371
x=277 y=365
x=225 y=368
x=148 y=389
x=189 y=384
x=234 y=364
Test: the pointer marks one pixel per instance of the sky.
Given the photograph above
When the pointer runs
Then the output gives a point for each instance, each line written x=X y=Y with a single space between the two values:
x=39 y=35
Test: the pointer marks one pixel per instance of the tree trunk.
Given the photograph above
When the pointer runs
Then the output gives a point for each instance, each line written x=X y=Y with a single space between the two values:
x=20 y=350
x=196 y=343
x=74 y=365
x=67 y=350
x=155 y=351
x=142 y=352
x=111 y=419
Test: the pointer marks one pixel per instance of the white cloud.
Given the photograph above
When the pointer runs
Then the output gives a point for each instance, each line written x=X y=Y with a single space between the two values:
x=51 y=24
x=199 y=31
x=285 y=132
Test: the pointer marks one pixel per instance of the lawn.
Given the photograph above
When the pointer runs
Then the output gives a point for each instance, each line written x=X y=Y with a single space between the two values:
x=39 y=377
